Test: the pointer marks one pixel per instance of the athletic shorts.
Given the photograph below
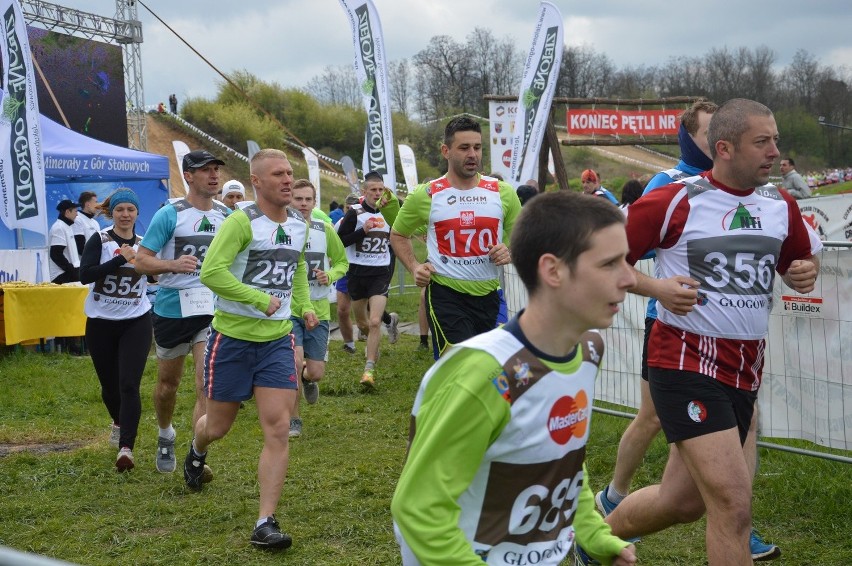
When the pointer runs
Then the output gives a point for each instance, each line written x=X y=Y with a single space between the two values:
x=649 y=324
x=234 y=367
x=175 y=337
x=366 y=287
x=314 y=342
x=342 y=285
x=691 y=404
x=454 y=317
x=502 y=309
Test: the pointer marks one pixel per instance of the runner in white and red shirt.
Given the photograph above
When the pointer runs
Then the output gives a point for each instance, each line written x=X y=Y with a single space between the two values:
x=719 y=239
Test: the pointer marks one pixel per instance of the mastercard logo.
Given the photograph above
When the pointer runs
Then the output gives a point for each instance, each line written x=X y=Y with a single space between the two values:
x=379 y=223
x=569 y=417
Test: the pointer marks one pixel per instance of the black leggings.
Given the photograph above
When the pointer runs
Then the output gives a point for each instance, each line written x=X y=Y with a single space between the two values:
x=119 y=350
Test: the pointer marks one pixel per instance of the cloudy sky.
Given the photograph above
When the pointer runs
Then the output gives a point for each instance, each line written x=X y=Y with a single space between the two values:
x=291 y=41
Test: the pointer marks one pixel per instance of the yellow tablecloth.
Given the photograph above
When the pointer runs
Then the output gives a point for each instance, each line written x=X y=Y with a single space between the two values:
x=31 y=313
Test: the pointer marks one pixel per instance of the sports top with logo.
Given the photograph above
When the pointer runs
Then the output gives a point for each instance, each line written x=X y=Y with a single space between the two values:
x=506 y=432
x=732 y=243
x=316 y=258
x=374 y=249
x=179 y=229
x=325 y=251
x=465 y=224
x=461 y=226
x=269 y=262
x=121 y=295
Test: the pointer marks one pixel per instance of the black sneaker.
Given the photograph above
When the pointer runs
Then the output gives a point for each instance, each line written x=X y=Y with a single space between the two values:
x=269 y=535
x=193 y=470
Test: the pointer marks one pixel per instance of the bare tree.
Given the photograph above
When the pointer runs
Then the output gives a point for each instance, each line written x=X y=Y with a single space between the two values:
x=443 y=71
x=801 y=79
x=336 y=85
x=684 y=76
x=584 y=73
x=399 y=85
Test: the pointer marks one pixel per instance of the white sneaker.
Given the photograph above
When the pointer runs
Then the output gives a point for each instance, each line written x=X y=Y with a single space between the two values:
x=124 y=461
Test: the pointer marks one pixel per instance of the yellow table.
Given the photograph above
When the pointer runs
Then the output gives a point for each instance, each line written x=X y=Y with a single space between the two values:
x=30 y=313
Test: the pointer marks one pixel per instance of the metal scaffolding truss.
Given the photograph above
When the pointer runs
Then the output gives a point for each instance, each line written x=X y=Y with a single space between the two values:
x=124 y=29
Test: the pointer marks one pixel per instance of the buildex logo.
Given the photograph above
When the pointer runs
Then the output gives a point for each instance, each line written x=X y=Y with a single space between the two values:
x=569 y=417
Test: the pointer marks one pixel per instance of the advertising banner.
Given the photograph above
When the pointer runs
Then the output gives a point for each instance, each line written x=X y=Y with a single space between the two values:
x=501 y=116
x=313 y=169
x=623 y=122
x=371 y=71
x=409 y=166
x=181 y=149
x=537 y=87
x=21 y=160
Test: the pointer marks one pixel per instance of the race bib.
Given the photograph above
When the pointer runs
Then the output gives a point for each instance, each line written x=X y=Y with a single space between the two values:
x=196 y=301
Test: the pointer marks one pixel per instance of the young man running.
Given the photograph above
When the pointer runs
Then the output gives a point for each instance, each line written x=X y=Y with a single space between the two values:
x=495 y=472
x=256 y=266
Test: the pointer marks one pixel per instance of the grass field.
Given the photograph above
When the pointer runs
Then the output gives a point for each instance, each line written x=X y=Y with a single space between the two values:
x=60 y=495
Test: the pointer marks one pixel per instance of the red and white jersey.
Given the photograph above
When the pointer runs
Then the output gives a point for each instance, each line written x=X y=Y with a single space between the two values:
x=732 y=243
x=464 y=225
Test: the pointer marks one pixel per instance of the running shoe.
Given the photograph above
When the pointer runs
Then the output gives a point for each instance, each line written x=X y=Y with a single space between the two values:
x=166 y=461
x=193 y=469
x=348 y=349
x=124 y=461
x=295 y=428
x=762 y=551
x=361 y=336
x=311 y=391
x=114 y=435
x=368 y=380
x=605 y=506
x=393 y=328
x=423 y=347
x=269 y=536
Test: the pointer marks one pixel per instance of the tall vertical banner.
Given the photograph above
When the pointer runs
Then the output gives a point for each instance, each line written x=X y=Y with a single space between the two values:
x=350 y=173
x=501 y=116
x=313 y=169
x=253 y=148
x=371 y=70
x=409 y=166
x=181 y=149
x=537 y=87
x=21 y=160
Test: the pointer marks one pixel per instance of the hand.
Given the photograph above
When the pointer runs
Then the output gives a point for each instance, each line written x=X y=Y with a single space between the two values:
x=423 y=273
x=678 y=294
x=321 y=276
x=185 y=264
x=128 y=252
x=499 y=254
x=801 y=276
x=274 y=305
x=627 y=557
x=369 y=224
x=386 y=197
x=311 y=320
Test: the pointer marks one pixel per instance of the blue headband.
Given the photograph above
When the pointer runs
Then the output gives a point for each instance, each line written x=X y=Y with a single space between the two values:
x=120 y=196
x=690 y=153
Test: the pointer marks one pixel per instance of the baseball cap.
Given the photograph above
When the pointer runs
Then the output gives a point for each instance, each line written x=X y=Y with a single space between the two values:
x=352 y=199
x=233 y=186
x=199 y=158
x=66 y=204
x=589 y=175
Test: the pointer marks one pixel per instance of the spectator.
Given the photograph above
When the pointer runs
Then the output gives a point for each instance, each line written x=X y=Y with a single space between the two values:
x=233 y=192
x=85 y=224
x=64 y=257
x=525 y=193
x=486 y=478
x=172 y=103
x=344 y=302
x=592 y=186
x=118 y=327
x=792 y=181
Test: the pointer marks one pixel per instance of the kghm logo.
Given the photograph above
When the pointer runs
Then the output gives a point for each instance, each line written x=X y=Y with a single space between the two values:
x=205 y=225
x=281 y=237
x=743 y=220
x=569 y=418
